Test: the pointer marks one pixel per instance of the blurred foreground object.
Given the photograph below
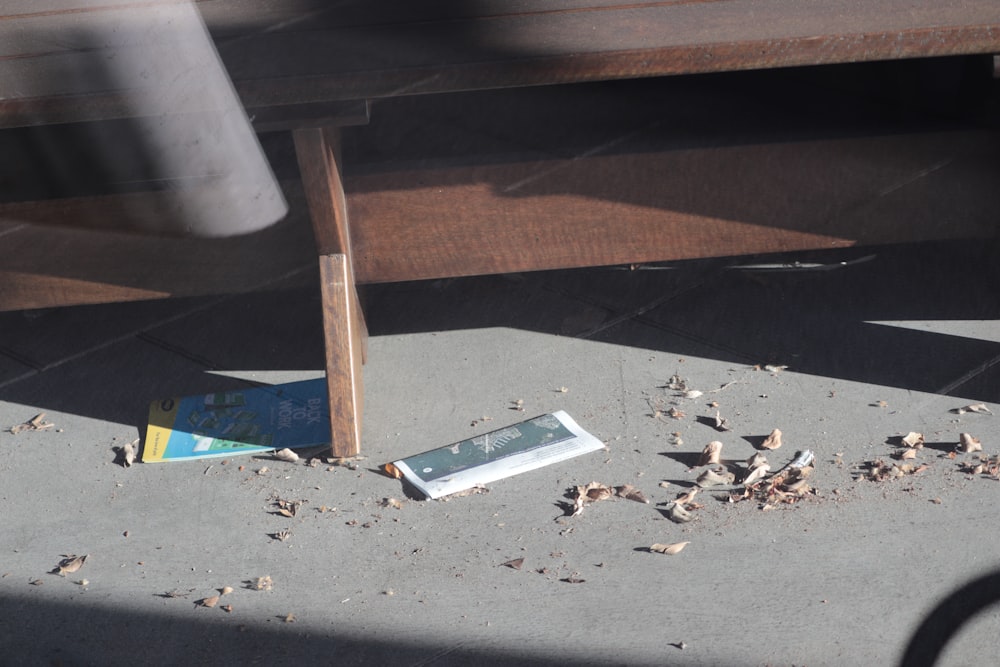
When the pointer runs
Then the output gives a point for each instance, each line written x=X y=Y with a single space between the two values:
x=130 y=104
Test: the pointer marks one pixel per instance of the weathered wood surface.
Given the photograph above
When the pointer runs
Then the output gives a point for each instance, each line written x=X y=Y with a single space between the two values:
x=52 y=59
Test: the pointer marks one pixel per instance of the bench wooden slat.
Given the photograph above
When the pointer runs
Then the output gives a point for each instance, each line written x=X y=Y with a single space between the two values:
x=366 y=57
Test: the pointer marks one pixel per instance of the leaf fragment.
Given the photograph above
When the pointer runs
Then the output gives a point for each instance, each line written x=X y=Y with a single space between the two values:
x=286 y=455
x=677 y=513
x=391 y=502
x=225 y=590
x=756 y=461
x=692 y=393
x=907 y=454
x=721 y=423
x=69 y=564
x=975 y=407
x=913 y=439
x=36 y=423
x=687 y=496
x=514 y=564
x=228 y=608
x=629 y=492
x=209 y=602
x=772 y=441
x=711 y=453
x=756 y=474
x=669 y=549
x=128 y=453
x=263 y=583
x=968 y=443
x=713 y=478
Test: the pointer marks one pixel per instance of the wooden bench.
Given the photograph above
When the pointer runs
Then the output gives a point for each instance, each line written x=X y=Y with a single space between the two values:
x=304 y=68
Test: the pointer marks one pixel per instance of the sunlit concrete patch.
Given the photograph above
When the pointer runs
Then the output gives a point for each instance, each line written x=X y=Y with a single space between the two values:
x=988 y=330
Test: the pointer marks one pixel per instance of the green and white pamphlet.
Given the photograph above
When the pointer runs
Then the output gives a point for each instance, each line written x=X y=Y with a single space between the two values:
x=495 y=455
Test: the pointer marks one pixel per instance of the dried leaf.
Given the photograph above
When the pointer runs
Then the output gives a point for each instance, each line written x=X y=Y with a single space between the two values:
x=513 y=564
x=669 y=549
x=83 y=582
x=228 y=608
x=756 y=475
x=674 y=413
x=692 y=393
x=390 y=502
x=70 y=564
x=629 y=492
x=573 y=580
x=772 y=441
x=913 y=439
x=263 y=583
x=906 y=454
x=263 y=471
x=880 y=404
x=721 y=423
x=711 y=454
x=687 y=496
x=712 y=478
x=36 y=423
x=677 y=383
x=975 y=407
x=225 y=590
x=208 y=602
x=756 y=461
x=774 y=368
x=286 y=455
x=282 y=535
x=128 y=453
x=392 y=471
x=290 y=618
x=967 y=443
x=678 y=514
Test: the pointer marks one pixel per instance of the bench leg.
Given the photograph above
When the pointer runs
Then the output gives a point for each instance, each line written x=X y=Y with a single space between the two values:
x=317 y=150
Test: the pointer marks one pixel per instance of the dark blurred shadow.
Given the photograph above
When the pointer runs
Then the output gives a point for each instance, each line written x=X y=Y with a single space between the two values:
x=946 y=619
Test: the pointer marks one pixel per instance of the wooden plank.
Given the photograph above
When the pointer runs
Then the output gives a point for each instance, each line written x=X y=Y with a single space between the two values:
x=371 y=57
x=467 y=219
x=344 y=346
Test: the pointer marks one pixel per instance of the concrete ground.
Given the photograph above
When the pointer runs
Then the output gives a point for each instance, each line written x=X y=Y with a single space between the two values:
x=865 y=346
x=882 y=346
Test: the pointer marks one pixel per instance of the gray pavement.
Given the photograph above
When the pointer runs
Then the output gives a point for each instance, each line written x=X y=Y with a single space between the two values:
x=874 y=349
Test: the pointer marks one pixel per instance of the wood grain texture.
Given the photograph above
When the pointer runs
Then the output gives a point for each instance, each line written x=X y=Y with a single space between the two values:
x=318 y=154
x=294 y=53
x=466 y=219
x=344 y=351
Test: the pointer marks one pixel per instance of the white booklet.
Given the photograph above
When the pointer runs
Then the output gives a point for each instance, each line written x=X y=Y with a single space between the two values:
x=502 y=453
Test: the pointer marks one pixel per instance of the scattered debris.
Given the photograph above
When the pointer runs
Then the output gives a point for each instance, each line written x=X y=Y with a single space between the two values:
x=290 y=618
x=288 y=508
x=208 y=602
x=773 y=441
x=715 y=478
x=128 y=453
x=228 y=608
x=676 y=413
x=691 y=393
x=476 y=422
x=756 y=461
x=880 y=404
x=677 y=513
x=281 y=535
x=975 y=407
x=676 y=383
x=513 y=564
x=390 y=502
x=36 y=423
x=262 y=583
x=754 y=475
x=589 y=493
x=286 y=455
x=573 y=580
x=629 y=492
x=711 y=454
x=517 y=405
x=69 y=564
x=676 y=439
x=906 y=454
x=968 y=444
x=669 y=549
x=721 y=423
x=687 y=496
